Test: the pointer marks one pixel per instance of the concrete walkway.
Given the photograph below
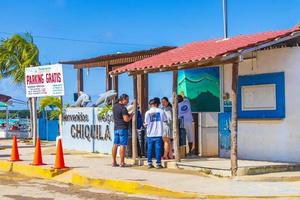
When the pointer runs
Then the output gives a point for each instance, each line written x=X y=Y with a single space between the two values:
x=99 y=167
x=222 y=166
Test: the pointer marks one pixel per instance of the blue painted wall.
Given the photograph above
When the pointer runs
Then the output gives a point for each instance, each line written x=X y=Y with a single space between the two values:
x=48 y=129
x=260 y=79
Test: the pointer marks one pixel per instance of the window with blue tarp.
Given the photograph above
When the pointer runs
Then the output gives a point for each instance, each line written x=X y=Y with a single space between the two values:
x=261 y=96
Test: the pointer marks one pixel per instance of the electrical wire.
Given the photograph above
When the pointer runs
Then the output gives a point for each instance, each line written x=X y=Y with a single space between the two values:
x=82 y=41
x=18 y=100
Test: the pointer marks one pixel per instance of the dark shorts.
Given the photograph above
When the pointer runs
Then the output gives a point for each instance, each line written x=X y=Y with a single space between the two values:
x=121 y=137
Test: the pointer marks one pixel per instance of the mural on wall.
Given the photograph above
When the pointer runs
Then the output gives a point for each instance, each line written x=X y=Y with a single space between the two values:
x=202 y=87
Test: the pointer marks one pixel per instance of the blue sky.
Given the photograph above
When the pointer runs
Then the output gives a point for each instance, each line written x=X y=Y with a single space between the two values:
x=143 y=24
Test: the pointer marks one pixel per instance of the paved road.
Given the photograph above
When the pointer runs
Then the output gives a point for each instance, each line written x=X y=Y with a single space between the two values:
x=15 y=187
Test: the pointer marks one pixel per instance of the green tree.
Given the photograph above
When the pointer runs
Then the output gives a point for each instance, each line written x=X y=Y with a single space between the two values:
x=16 y=54
x=54 y=103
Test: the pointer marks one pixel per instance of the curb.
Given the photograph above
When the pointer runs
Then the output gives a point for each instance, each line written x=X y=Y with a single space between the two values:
x=270 y=179
x=127 y=187
x=130 y=187
x=30 y=170
x=136 y=188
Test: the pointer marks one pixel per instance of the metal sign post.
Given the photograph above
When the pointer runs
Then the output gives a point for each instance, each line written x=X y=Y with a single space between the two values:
x=7 y=121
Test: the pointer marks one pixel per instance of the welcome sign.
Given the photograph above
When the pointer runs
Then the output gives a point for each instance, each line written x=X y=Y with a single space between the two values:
x=83 y=130
x=44 y=80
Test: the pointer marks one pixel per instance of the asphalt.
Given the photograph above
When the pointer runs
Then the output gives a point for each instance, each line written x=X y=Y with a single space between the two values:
x=17 y=187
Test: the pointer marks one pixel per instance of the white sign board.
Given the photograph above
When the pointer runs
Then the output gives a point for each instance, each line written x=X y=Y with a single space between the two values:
x=44 y=80
x=259 y=97
x=83 y=130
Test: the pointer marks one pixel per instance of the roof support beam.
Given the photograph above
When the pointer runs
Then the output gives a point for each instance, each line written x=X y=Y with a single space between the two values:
x=79 y=80
x=108 y=78
x=234 y=121
x=134 y=121
x=115 y=83
x=142 y=91
x=175 y=116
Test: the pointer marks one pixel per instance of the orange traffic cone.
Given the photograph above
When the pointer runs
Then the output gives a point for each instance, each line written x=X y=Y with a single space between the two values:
x=14 y=151
x=59 y=159
x=38 y=160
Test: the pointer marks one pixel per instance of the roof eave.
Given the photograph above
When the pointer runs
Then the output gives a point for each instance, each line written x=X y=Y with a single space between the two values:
x=218 y=60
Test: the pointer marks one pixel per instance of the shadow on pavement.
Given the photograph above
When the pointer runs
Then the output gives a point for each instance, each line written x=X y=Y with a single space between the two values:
x=20 y=197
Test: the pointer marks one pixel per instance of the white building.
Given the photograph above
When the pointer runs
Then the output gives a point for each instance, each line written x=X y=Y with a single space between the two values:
x=273 y=139
x=268 y=89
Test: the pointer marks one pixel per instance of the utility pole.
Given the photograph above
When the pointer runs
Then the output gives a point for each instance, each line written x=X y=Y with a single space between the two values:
x=225 y=21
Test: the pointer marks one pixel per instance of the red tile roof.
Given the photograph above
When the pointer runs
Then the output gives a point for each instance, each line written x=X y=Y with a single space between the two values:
x=204 y=50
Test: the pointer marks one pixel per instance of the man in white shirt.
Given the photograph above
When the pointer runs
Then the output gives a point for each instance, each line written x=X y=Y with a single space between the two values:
x=186 y=117
x=154 y=119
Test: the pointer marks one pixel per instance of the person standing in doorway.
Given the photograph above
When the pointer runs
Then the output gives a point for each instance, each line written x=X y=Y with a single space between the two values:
x=154 y=119
x=186 y=117
x=121 y=124
x=168 y=133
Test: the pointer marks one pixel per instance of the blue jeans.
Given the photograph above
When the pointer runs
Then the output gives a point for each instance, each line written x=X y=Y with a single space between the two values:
x=157 y=143
x=121 y=137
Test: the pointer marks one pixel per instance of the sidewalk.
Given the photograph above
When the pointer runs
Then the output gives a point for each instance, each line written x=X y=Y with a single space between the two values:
x=86 y=168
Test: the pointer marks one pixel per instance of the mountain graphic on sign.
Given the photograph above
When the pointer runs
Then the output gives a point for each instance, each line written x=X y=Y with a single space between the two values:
x=202 y=89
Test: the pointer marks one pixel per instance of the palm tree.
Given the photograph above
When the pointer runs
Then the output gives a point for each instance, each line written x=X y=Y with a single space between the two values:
x=16 y=54
x=53 y=102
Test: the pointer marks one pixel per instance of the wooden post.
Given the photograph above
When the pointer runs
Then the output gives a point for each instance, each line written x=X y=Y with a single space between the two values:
x=79 y=80
x=134 y=120
x=175 y=117
x=234 y=120
x=142 y=88
x=114 y=83
x=108 y=78
x=115 y=86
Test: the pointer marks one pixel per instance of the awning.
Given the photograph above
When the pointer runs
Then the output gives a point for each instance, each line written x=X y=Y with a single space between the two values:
x=205 y=51
x=4 y=98
x=2 y=104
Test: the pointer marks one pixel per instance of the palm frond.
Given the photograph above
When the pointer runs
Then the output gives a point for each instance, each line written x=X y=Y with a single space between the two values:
x=50 y=102
x=17 y=53
x=54 y=114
